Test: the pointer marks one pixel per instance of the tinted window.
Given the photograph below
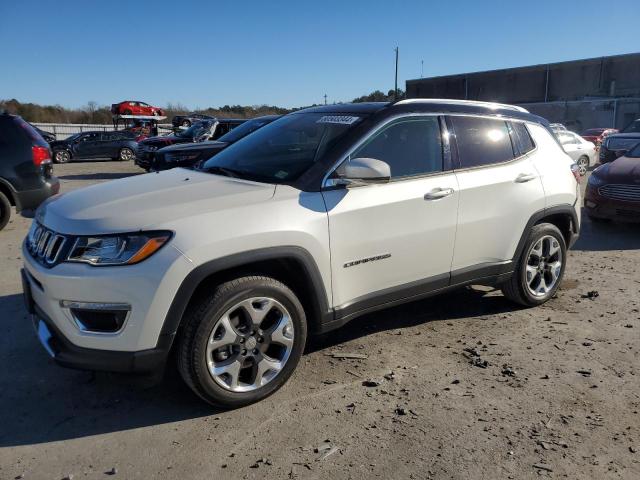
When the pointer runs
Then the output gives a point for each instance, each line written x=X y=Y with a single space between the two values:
x=410 y=147
x=522 y=138
x=482 y=141
x=633 y=127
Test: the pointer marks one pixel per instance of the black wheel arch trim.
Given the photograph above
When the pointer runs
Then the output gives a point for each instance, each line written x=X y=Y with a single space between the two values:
x=566 y=209
x=320 y=302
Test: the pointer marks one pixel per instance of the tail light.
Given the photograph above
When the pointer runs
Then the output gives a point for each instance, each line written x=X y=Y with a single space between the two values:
x=576 y=172
x=41 y=155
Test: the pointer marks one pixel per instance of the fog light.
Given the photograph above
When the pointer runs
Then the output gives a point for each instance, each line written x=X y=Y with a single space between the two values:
x=98 y=317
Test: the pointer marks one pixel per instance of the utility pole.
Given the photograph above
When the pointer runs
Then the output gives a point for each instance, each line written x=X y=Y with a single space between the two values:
x=395 y=91
x=325 y=98
x=421 y=68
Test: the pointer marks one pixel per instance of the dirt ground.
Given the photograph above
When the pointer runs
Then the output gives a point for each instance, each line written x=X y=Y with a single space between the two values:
x=559 y=397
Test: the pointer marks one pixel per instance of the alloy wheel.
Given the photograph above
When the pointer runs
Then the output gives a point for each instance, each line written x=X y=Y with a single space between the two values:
x=250 y=344
x=126 y=154
x=62 y=156
x=544 y=266
x=583 y=163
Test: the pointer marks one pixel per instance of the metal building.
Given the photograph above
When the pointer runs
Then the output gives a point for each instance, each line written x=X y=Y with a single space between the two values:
x=596 y=92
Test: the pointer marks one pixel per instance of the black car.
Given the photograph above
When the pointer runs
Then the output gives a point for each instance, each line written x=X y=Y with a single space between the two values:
x=187 y=155
x=117 y=145
x=617 y=144
x=199 y=132
x=48 y=136
x=189 y=119
x=26 y=173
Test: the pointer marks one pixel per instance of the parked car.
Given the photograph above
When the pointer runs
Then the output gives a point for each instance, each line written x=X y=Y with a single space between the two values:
x=615 y=143
x=199 y=132
x=613 y=189
x=135 y=107
x=187 y=155
x=582 y=151
x=48 y=136
x=189 y=119
x=321 y=216
x=597 y=135
x=26 y=173
x=117 y=145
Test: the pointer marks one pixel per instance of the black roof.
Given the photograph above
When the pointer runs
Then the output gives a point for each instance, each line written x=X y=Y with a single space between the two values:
x=364 y=107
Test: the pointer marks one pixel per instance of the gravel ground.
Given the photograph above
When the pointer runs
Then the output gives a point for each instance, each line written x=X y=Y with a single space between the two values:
x=559 y=397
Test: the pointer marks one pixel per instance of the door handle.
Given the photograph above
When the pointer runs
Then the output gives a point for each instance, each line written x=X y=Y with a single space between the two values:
x=438 y=193
x=526 y=177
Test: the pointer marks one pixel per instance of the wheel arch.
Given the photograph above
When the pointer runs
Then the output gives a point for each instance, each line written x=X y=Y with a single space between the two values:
x=562 y=216
x=7 y=190
x=294 y=266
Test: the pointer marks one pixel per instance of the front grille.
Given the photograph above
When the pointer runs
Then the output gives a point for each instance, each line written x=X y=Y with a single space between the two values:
x=45 y=245
x=628 y=193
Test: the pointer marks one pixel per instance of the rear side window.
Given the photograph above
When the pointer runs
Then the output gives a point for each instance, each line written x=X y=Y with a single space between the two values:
x=521 y=138
x=411 y=146
x=482 y=141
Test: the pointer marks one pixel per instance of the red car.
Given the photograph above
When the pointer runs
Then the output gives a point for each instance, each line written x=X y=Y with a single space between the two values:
x=596 y=135
x=134 y=107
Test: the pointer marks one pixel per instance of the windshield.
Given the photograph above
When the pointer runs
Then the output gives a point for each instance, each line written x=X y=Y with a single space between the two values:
x=621 y=143
x=634 y=152
x=284 y=149
x=243 y=130
x=196 y=130
x=633 y=127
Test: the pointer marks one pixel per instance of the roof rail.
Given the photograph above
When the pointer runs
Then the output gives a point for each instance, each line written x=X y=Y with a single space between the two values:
x=490 y=105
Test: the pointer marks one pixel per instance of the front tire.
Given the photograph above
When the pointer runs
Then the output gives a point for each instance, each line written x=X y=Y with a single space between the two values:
x=5 y=210
x=186 y=123
x=125 y=155
x=243 y=342
x=540 y=267
x=61 y=156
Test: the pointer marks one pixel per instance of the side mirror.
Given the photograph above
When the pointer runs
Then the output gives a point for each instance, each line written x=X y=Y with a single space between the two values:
x=363 y=170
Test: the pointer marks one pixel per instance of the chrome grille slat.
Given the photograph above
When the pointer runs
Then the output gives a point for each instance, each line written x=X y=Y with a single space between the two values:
x=45 y=245
x=629 y=193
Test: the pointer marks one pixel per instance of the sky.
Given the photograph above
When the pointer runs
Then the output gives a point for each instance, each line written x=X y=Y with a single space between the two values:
x=287 y=53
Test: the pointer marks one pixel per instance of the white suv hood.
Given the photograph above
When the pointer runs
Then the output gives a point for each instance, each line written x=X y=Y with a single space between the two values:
x=144 y=201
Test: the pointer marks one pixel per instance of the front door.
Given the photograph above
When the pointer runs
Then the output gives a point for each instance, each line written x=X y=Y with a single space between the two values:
x=394 y=240
x=88 y=145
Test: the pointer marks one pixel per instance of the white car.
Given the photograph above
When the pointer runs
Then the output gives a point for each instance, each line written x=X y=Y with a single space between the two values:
x=582 y=151
x=319 y=217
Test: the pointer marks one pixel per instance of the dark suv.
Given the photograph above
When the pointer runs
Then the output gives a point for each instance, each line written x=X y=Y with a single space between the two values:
x=120 y=145
x=617 y=144
x=26 y=178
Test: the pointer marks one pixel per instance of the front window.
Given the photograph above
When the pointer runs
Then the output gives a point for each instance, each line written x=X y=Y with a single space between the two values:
x=283 y=150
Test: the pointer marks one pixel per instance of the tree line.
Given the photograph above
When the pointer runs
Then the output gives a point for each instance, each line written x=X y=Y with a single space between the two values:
x=101 y=114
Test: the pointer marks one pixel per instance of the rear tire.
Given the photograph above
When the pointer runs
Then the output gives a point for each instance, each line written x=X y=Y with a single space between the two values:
x=583 y=165
x=61 y=156
x=5 y=210
x=538 y=274
x=255 y=324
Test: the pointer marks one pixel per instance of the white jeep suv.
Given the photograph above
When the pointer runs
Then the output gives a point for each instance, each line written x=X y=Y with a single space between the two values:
x=321 y=216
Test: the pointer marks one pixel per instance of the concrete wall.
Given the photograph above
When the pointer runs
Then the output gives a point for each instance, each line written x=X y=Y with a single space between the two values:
x=605 y=78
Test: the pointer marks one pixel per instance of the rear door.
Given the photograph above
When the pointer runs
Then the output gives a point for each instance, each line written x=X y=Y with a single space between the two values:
x=500 y=190
x=394 y=240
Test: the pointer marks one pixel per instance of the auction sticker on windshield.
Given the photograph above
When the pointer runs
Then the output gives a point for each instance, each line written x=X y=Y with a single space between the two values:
x=341 y=119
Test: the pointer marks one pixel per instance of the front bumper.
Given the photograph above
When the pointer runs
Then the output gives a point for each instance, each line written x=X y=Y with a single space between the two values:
x=597 y=206
x=139 y=346
x=144 y=158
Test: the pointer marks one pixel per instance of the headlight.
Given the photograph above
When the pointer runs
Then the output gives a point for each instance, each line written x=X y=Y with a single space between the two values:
x=181 y=157
x=125 y=249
